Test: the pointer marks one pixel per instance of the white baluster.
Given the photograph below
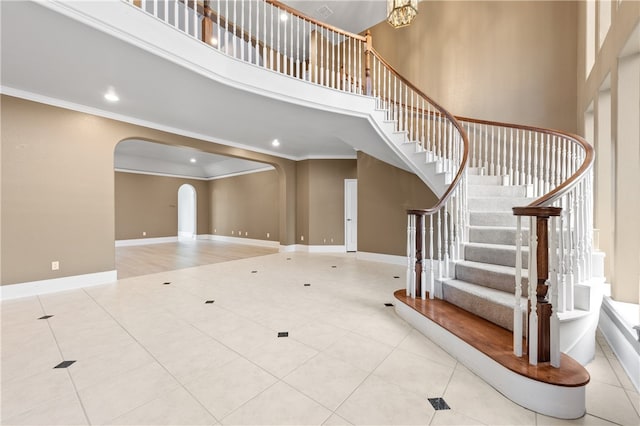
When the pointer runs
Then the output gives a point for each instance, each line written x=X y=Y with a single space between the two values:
x=529 y=161
x=562 y=270
x=535 y=167
x=176 y=13
x=555 y=321
x=517 y=308
x=571 y=257
x=431 y=276
x=265 y=57
x=166 y=11
x=195 y=19
x=486 y=149
x=497 y=142
x=533 y=280
x=423 y=261
x=440 y=266
x=548 y=165
x=492 y=169
x=408 y=255
x=510 y=170
x=446 y=244
x=542 y=164
x=185 y=21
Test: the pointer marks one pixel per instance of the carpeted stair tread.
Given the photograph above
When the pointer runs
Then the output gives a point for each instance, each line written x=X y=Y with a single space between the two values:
x=497 y=204
x=496 y=235
x=498 y=277
x=497 y=190
x=495 y=218
x=493 y=305
x=495 y=254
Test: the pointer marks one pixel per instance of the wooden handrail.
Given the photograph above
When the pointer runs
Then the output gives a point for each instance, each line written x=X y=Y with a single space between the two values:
x=568 y=184
x=465 y=140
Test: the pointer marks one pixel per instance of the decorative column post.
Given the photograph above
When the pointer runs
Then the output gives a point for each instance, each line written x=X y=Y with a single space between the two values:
x=207 y=24
x=419 y=254
x=543 y=306
x=367 y=70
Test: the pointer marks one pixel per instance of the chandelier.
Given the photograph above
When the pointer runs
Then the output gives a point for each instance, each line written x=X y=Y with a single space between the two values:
x=400 y=13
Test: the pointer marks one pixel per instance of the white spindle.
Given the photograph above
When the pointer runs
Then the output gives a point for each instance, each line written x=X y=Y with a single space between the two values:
x=533 y=280
x=423 y=261
x=446 y=244
x=555 y=321
x=439 y=245
x=517 y=308
x=176 y=13
x=195 y=19
x=408 y=255
x=431 y=275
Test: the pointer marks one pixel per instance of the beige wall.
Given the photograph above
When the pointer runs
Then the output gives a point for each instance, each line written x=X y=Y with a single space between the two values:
x=58 y=188
x=384 y=195
x=245 y=206
x=321 y=200
x=147 y=203
x=511 y=61
x=614 y=97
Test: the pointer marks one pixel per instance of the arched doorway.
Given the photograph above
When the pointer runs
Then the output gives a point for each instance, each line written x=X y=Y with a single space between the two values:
x=187 y=212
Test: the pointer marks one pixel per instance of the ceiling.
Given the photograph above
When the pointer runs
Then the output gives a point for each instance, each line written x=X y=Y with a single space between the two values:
x=151 y=157
x=351 y=15
x=43 y=63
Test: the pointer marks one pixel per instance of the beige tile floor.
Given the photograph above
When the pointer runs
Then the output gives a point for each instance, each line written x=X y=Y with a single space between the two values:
x=148 y=353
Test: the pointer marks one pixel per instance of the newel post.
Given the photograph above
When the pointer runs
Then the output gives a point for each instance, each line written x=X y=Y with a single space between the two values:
x=367 y=68
x=207 y=24
x=543 y=307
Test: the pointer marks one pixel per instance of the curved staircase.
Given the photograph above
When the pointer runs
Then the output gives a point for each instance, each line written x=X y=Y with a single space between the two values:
x=472 y=249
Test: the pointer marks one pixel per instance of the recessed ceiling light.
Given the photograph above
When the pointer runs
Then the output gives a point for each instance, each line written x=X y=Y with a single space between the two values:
x=111 y=96
x=284 y=17
x=275 y=142
x=193 y=160
x=214 y=41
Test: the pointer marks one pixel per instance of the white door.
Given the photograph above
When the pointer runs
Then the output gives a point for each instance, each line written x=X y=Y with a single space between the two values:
x=186 y=212
x=351 y=214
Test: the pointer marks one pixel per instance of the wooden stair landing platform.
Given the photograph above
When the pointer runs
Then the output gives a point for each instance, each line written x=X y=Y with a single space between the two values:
x=495 y=342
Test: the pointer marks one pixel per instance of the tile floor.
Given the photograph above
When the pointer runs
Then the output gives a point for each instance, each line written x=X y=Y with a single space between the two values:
x=148 y=353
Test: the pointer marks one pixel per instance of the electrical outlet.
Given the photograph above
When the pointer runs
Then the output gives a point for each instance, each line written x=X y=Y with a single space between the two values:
x=232 y=232
x=55 y=265
x=215 y=230
x=301 y=237
x=246 y=234
x=332 y=240
x=324 y=241
x=144 y=233
x=267 y=235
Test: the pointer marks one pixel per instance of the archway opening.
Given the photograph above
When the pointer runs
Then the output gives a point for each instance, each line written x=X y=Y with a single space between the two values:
x=187 y=212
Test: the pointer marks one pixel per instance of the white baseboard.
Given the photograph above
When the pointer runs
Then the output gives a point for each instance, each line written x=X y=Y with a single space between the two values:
x=312 y=249
x=239 y=240
x=622 y=338
x=144 y=241
x=34 y=288
x=384 y=258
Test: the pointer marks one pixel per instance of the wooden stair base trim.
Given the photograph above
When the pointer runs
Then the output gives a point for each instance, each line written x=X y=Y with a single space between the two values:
x=495 y=342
